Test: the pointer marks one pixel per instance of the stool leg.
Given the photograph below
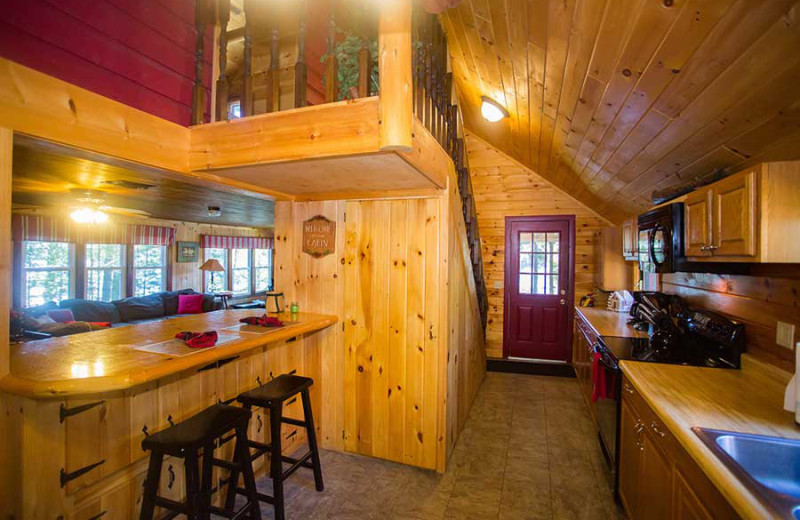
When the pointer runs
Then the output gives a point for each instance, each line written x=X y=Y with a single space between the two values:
x=204 y=509
x=192 y=485
x=233 y=481
x=276 y=458
x=151 y=486
x=243 y=455
x=311 y=433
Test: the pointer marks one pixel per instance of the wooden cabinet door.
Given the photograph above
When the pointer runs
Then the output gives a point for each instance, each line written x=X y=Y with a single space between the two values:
x=630 y=244
x=686 y=505
x=655 y=489
x=735 y=213
x=697 y=223
x=630 y=458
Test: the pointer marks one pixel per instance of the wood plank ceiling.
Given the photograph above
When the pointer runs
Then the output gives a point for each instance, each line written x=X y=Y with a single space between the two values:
x=611 y=100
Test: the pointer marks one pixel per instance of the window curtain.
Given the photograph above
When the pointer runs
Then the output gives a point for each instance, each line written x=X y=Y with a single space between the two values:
x=57 y=229
x=223 y=242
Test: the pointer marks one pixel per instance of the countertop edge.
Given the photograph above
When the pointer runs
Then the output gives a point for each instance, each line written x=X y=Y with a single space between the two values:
x=748 y=505
x=628 y=332
x=61 y=389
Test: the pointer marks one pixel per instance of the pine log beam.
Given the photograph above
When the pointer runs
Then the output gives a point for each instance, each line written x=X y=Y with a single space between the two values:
x=395 y=108
x=300 y=67
x=223 y=17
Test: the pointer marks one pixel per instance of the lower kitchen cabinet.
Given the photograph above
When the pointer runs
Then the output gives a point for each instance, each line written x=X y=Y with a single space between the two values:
x=657 y=478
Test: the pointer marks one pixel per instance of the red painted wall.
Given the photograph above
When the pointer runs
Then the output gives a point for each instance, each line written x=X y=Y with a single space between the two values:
x=138 y=52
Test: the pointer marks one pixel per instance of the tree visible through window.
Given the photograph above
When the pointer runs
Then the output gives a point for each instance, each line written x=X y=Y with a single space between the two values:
x=104 y=272
x=149 y=269
x=263 y=269
x=240 y=271
x=47 y=270
x=216 y=282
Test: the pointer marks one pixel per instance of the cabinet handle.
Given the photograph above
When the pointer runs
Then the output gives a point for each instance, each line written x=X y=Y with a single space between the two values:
x=713 y=248
x=260 y=423
x=639 y=429
x=655 y=429
x=171 y=472
x=170 y=420
x=628 y=388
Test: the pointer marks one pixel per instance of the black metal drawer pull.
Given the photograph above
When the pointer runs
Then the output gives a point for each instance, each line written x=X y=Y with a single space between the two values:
x=67 y=477
x=171 y=472
x=99 y=515
x=170 y=421
x=294 y=432
x=64 y=412
x=260 y=423
x=291 y=401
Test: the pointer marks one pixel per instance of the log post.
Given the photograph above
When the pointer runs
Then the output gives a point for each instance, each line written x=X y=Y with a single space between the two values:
x=300 y=67
x=274 y=74
x=395 y=107
x=198 y=90
x=6 y=149
x=246 y=101
x=331 y=65
x=223 y=16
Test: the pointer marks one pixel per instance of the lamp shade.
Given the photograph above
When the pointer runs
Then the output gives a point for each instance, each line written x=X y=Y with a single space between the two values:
x=212 y=265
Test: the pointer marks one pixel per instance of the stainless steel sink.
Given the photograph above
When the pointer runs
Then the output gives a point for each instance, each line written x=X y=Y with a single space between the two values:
x=770 y=466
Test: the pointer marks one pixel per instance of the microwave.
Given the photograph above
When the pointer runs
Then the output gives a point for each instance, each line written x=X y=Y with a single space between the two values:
x=661 y=239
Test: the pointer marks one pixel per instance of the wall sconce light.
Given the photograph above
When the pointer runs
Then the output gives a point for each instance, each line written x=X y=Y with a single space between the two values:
x=491 y=110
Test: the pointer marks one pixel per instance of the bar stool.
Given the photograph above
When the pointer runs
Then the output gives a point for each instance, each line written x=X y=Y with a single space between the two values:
x=185 y=440
x=272 y=396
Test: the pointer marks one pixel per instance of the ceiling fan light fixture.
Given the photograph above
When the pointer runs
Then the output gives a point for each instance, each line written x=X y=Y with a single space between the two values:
x=491 y=110
x=89 y=216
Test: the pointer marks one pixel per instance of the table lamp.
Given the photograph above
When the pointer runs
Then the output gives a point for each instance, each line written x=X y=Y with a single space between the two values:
x=212 y=265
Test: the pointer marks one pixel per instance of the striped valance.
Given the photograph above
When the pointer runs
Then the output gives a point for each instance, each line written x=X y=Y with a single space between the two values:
x=223 y=242
x=58 y=229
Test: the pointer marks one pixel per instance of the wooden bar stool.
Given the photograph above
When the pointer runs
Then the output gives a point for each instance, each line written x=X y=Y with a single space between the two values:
x=185 y=440
x=272 y=396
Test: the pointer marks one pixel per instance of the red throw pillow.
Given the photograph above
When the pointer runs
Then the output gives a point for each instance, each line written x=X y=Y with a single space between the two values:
x=190 y=304
x=61 y=315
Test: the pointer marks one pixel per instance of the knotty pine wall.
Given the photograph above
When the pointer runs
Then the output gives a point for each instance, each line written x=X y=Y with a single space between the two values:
x=386 y=368
x=757 y=301
x=505 y=188
x=138 y=53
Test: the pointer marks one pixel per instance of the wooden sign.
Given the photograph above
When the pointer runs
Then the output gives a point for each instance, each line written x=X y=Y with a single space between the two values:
x=319 y=236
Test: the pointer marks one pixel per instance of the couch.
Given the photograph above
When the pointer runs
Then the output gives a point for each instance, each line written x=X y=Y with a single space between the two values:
x=88 y=314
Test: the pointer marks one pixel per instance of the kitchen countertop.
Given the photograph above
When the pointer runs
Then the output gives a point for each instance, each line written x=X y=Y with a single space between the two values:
x=107 y=360
x=749 y=400
x=609 y=323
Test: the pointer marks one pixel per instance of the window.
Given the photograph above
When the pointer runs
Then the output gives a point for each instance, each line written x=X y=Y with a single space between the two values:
x=47 y=275
x=262 y=269
x=234 y=110
x=240 y=271
x=538 y=263
x=104 y=272
x=149 y=269
x=216 y=282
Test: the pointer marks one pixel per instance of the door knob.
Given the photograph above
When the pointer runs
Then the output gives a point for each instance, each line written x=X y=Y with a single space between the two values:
x=562 y=301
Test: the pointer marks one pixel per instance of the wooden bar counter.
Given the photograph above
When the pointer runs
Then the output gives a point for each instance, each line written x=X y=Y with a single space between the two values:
x=75 y=409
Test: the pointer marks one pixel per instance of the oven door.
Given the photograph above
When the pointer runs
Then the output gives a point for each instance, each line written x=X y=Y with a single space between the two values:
x=606 y=405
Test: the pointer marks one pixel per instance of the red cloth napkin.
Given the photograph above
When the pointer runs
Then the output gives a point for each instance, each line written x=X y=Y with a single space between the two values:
x=262 y=321
x=599 y=384
x=198 y=339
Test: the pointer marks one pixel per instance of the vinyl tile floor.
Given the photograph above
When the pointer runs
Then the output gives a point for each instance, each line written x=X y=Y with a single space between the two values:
x=528 y=451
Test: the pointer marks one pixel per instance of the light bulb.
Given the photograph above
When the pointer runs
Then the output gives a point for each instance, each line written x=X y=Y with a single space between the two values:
x=491 y=110
x=88 y=216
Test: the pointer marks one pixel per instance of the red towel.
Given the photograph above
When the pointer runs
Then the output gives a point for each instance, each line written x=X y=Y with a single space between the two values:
x=262 y=321
x=198 y=339
x=599 y=384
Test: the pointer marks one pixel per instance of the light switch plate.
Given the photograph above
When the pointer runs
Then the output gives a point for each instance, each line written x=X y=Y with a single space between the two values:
x=785 y=336
x=498 y=285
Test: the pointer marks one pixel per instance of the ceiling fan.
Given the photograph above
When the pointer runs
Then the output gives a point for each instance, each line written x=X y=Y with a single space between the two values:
x=92 y=209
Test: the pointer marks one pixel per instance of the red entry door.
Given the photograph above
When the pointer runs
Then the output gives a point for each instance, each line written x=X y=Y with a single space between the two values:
x=538 y=287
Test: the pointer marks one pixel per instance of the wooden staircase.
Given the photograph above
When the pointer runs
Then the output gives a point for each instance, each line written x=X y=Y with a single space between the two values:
x=436 y=106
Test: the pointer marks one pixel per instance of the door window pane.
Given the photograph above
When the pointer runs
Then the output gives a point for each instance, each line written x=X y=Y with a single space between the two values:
x=47 y=272
x=538 y=263
x=240 y=270
x=104 y=272
x=149 y=264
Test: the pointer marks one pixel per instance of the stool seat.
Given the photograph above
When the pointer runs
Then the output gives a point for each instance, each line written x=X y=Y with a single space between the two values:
x=279 y=389
x=195 y=431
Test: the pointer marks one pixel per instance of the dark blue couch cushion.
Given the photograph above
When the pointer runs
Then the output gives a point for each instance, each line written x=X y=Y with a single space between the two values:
x=91 y=310
x=141 y=308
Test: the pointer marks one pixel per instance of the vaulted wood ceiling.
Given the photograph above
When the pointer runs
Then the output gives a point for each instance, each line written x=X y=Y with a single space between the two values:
x=611 y=100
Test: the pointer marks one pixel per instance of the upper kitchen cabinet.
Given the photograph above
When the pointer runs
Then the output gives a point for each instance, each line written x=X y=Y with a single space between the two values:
x=748 y=217
x=630 y=242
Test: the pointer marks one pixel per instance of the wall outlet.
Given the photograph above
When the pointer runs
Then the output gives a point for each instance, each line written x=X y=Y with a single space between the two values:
x=498 y=285
x=785 y=336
